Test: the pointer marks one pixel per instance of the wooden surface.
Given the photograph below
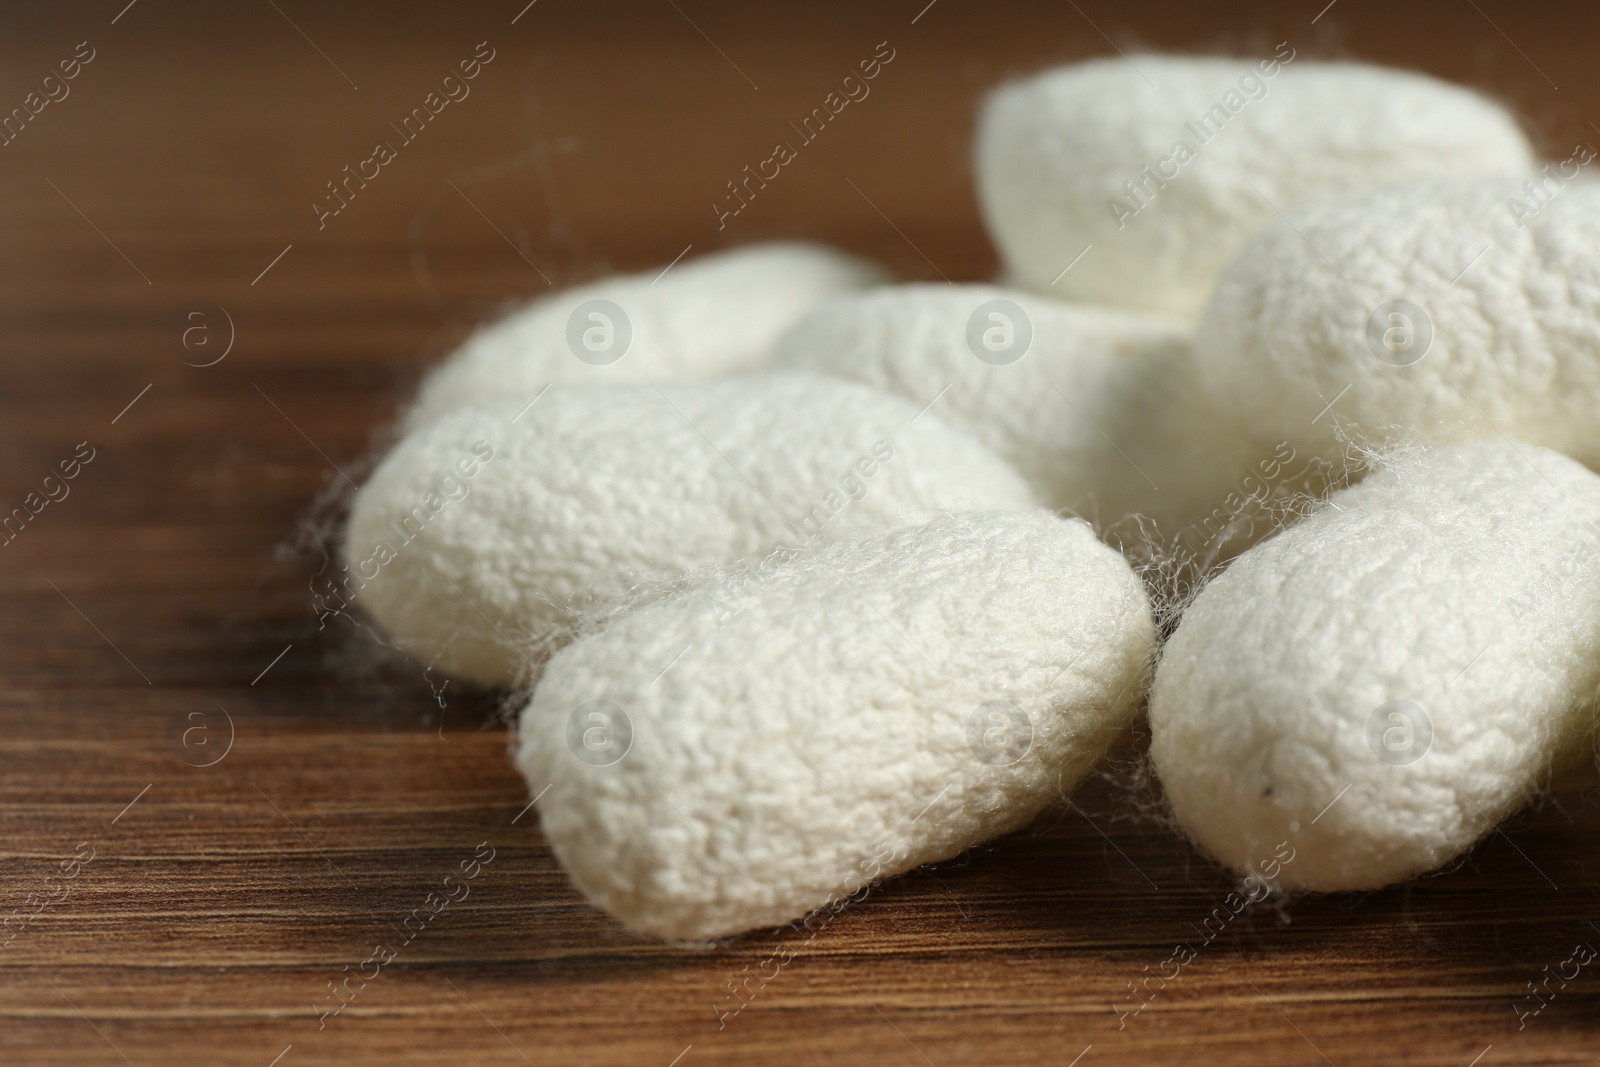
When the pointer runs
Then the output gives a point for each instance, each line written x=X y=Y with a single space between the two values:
x=145 y=617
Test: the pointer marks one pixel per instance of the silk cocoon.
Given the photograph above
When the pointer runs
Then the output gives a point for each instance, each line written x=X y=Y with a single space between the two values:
x=1157 y=169
x=706 y=316
x=1431 y=313
x=888 y=700
x=598 y=494
x=1101 y=412
x=1382 y=683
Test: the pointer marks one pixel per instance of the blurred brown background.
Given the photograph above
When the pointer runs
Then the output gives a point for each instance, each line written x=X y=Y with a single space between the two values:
x=161 y=610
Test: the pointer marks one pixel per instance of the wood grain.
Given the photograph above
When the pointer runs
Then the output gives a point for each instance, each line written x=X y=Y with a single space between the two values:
x=153 y=600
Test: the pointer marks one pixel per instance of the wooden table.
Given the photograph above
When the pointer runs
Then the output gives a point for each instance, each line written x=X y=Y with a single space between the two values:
x=211 y=809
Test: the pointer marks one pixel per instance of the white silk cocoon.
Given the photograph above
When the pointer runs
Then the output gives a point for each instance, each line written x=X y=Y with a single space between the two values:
x=1102 y=413
x=795 y=732
x=598 y=493
x=706 y=316
x=1379 y=685
x=1156 y=169
x=1498 y=333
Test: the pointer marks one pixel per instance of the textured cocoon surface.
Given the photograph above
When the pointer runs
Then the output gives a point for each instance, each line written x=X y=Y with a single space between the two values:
x=596 y=491
x=1502 y=335
x=1055 y=154
x=881 y=703
x=709 y=316
x=1377 y=685
x=1101 y=413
